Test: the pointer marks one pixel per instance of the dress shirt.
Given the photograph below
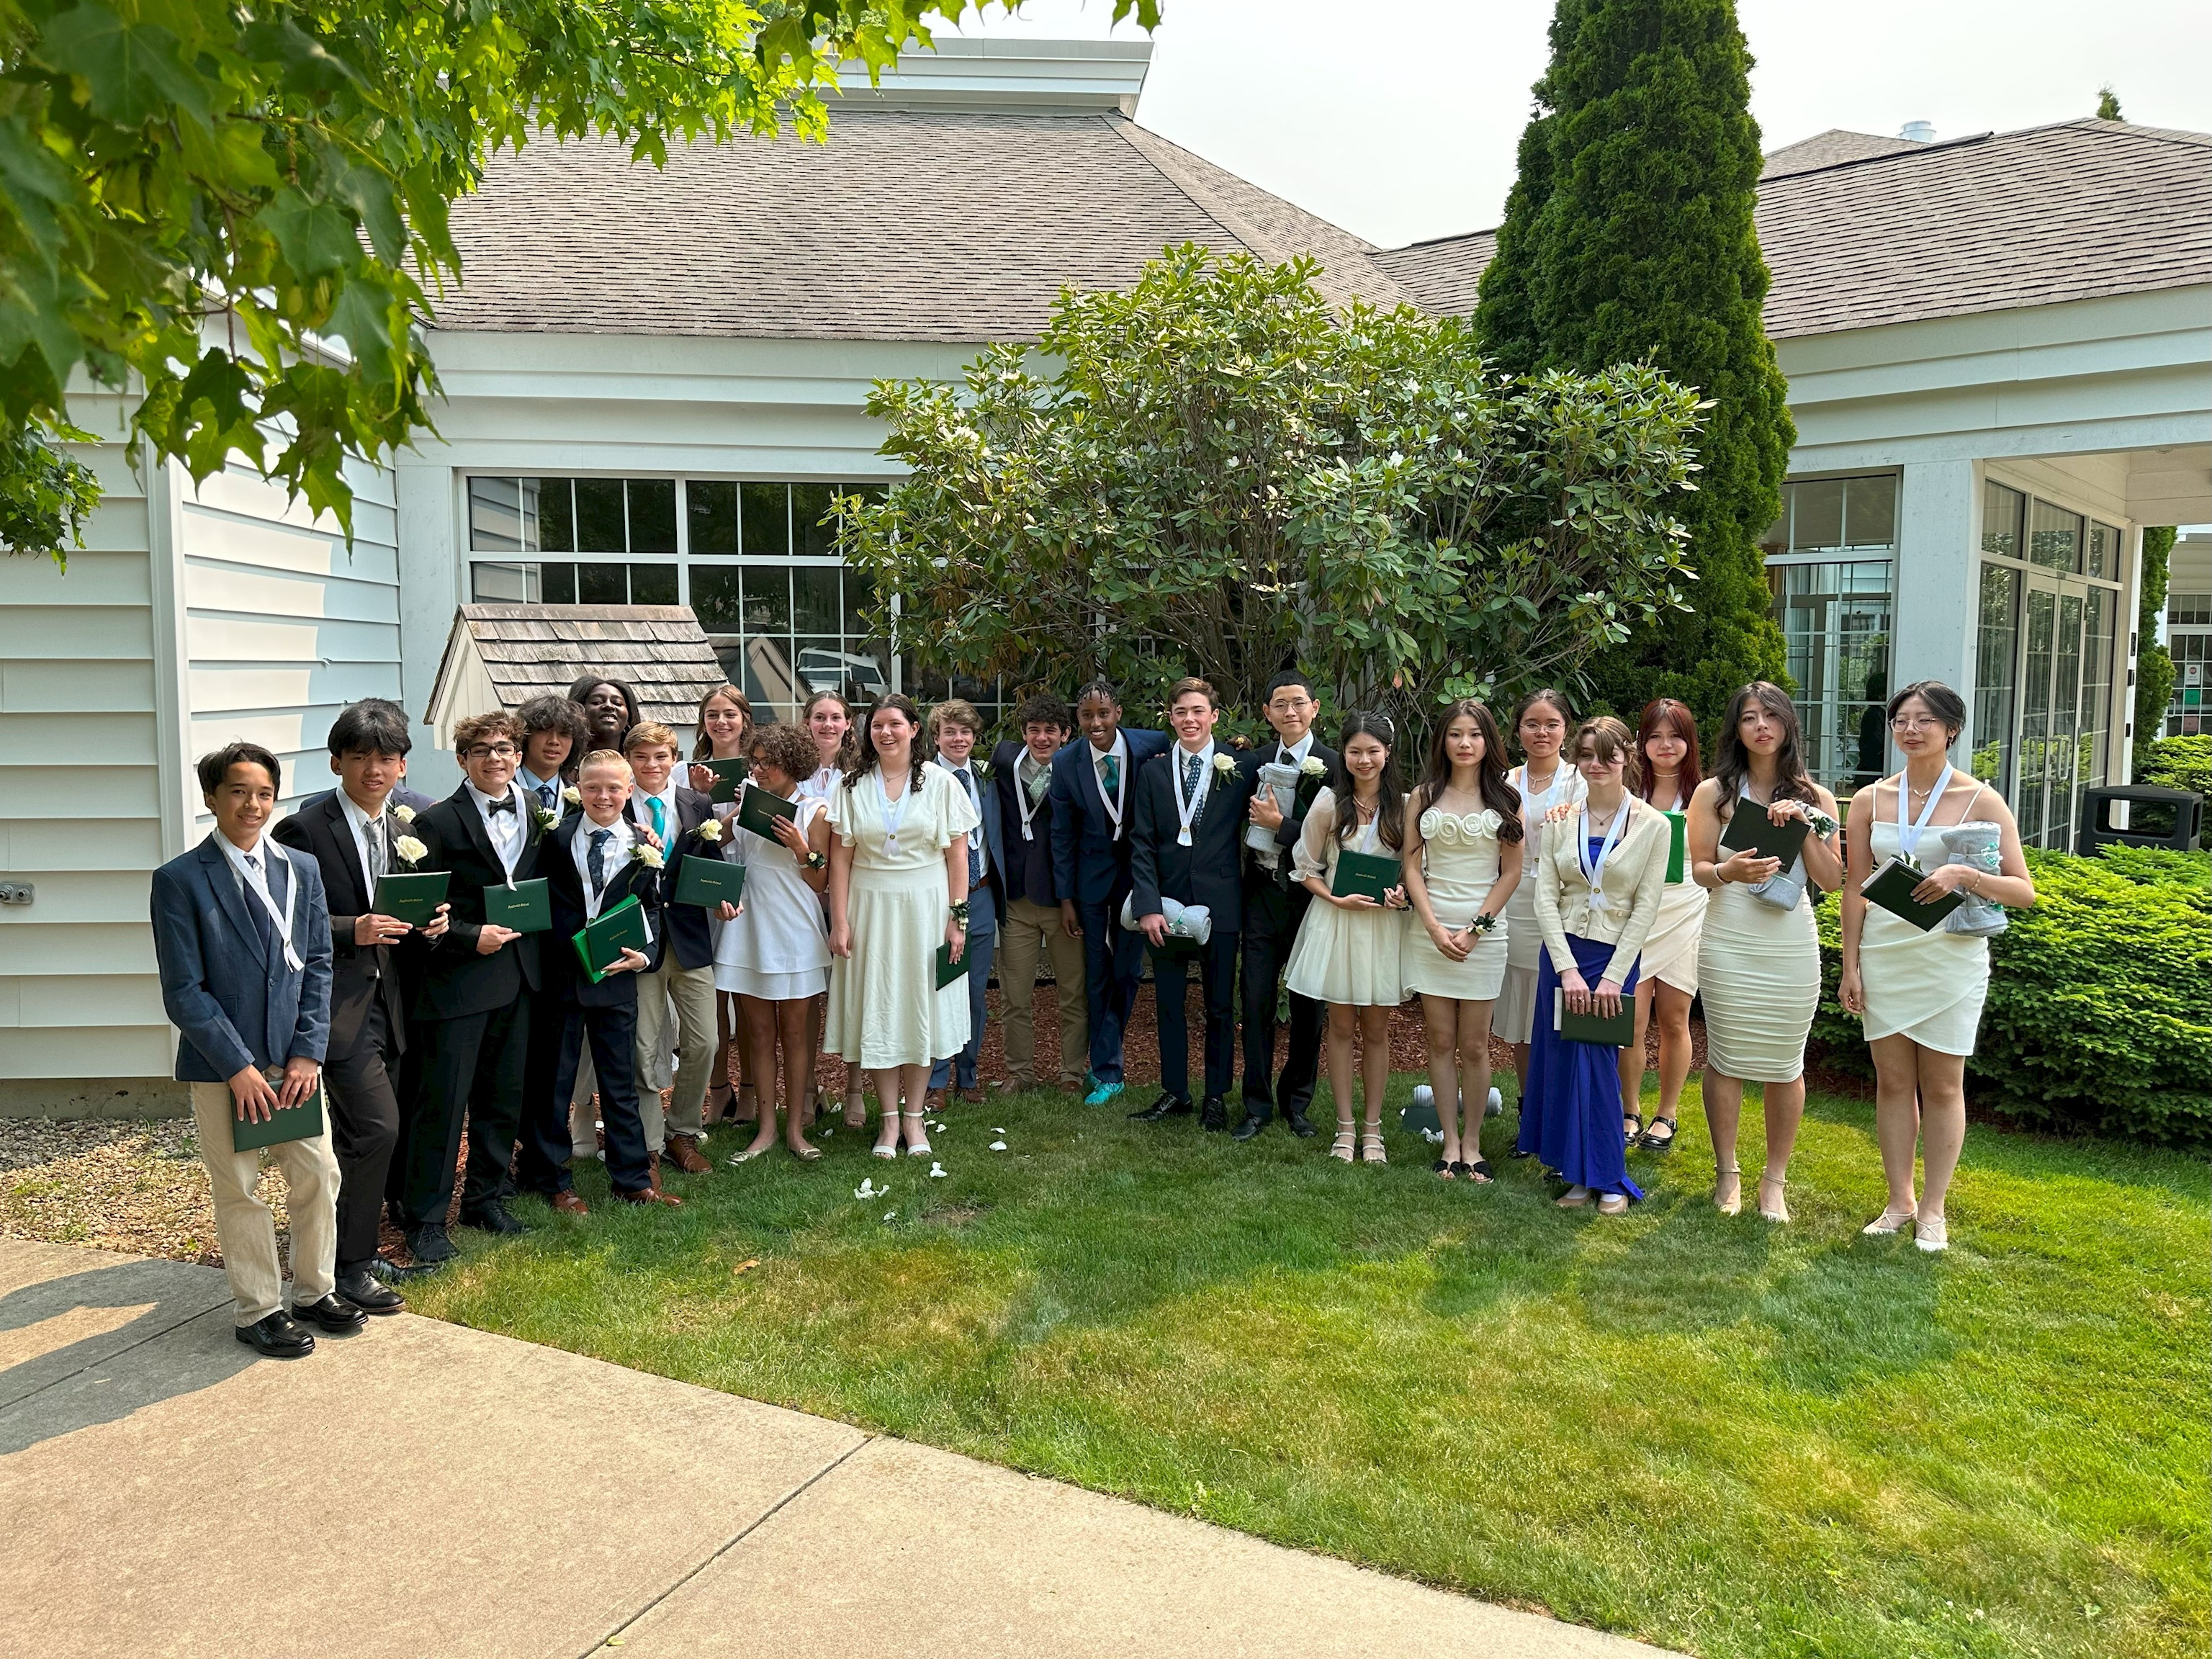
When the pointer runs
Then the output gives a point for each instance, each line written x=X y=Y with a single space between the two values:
x=1181 y=756
x=370 y=835
x=979 y=859
x=612 y=861
x=505 y=828
x=1117 y=800
x=546 y=791
x=264 y=863
x=669 y=822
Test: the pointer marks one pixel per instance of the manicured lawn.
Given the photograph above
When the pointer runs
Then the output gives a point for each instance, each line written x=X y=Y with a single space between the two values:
x=1716 y=1435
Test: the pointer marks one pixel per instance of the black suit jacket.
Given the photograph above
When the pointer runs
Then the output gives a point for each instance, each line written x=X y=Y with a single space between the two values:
x=1247 y=766
x=1025 y=869
x=456 y=981
x=359 y=974
x=564 y=886
x=1209 y=872
x=688 y=935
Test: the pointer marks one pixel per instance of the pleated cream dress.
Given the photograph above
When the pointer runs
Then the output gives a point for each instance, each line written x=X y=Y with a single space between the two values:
x=1351 y=958
x=1928 y=987
x=1758 y=971
x=884 y=1007
x=1670 y=953
x=1515 y=1016
x=1459 y=863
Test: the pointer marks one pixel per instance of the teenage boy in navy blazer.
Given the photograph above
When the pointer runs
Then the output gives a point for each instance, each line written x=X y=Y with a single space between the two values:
x=1186 y=844
x=682 y=978
x=1274 y=905
x=1093 y=783
x=597 y=859
x=242 y=941
x=357 y=837
x=468 y=1028
x=954 y=726
x=1031 y=925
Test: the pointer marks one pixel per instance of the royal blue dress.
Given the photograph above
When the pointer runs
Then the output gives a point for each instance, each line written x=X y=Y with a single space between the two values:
x=1570 y=1109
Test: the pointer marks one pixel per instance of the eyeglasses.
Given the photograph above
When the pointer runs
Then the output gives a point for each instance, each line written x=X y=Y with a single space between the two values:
x=491 y=751
x=1905 y=723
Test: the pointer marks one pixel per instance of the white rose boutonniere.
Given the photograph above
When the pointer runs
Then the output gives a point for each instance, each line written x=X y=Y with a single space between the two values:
x=573 y=795
x=546 y=821
x=981 y=770
x=404 y=813
x=1313 y=767
x=1224 y=764
x=649 y=856
x=410 y=850
x=711 y=830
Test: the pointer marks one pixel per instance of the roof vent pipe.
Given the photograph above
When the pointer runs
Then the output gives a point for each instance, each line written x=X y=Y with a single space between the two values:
x=1917 y=133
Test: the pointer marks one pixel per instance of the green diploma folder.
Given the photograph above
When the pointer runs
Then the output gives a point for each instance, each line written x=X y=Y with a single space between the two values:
x=1751 y=830
x=728 y=775
x=758 y=810
x=708 y=882
x=301 y=1122
x=411 y=897
x=1366 y=872
x=1615 y=1033
x=949 y=970
x=1677 y=849
x=601 y=943
x=527 y=907
x=1891 y=887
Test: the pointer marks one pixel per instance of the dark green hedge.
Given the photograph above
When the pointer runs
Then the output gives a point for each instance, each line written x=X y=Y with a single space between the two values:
x=2100 y=1011
x=2176 y=763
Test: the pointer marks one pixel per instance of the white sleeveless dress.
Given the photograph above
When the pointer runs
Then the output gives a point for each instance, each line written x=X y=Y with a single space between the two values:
x=775 y=949
x=1670 y=952
x=1515 y=1016
x=1928 y=987
x=1354 y=958
x=1459 y=863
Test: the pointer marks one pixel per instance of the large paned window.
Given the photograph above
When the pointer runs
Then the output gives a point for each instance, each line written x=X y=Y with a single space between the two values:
x=1831 y=576
x=1996 y=675
x=2189 y=637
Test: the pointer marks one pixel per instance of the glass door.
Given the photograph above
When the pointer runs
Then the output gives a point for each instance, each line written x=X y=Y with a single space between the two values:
x=2052 y=718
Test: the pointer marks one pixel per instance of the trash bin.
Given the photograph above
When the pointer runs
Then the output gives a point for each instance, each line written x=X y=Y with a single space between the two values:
x=2139 y=815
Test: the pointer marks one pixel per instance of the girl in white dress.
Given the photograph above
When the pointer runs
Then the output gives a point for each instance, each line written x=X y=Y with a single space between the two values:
x=1463 y=852
x=1348 y=953
x=1544 y=780
x=827 y=718
x=1667 y=747
x=898 y=889
x=1920 y=992
x=726 y=724
x=770 y=956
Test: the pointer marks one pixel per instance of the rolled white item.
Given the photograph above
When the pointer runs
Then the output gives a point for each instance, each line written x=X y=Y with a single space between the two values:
x=1284 y=780
x=1191 y=921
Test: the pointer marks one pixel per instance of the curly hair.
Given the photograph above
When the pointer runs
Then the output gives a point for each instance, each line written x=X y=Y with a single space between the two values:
x=788 y=747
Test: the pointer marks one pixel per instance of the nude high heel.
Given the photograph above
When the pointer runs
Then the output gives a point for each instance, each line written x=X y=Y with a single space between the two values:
x=1728 y=1191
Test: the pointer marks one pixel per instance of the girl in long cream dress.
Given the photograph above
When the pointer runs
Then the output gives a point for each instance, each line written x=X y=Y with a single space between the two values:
x=1758 y=963
x=1349 y=952
x=898 y=889
x=1920 y=992
x=1463 y=864
x=1667 y=750
x=1545 y=779
x=726 y=725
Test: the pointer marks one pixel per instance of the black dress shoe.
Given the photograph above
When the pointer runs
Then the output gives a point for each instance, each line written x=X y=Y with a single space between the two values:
x=359 y=1286
x=1213 y=1116
x=429 y=1246
x=1253 y=1123
x=339 y=1318
x=1166 y=1106
x=491 y=1217
x=1300 y=1125
x=277 y=1337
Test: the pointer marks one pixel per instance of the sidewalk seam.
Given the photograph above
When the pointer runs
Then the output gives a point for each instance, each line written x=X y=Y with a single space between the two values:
x=732 y=1542
x=151 y=1336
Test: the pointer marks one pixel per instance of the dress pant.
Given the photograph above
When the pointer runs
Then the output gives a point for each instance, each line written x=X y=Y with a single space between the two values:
x=1273 y=914
x=1113 y=960
x=676 y=1015
x=243 y=1226
x=364 y=1118
x=982 y=936
x=582 y=1141
x=1027 y=933
x=468 y=1070
x=611 y=1035
x=1216 y=969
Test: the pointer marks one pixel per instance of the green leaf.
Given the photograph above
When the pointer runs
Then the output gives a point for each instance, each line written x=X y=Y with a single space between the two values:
x=313 y=237
x=131 y=72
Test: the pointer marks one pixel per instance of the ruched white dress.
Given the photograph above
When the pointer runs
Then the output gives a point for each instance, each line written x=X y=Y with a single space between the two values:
x=1351 y=957
x=1928 y=987
x=1458 y=865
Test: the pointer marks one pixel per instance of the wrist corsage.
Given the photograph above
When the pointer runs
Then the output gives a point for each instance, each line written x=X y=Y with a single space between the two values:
x=960 y=913
x=1822 y=825
x=1484 y=922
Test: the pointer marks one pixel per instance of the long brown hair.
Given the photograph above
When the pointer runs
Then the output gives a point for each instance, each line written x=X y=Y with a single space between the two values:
x=703 y=746
x=1499 y=796
x=1732 y=765
x=1609 y=738
x=1667 y=712
x=859 y=757
x=1389 y=792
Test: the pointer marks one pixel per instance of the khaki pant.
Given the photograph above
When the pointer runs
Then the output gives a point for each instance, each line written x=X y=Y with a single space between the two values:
x=690 y=991
x=1026 y=933
x=243 y=1224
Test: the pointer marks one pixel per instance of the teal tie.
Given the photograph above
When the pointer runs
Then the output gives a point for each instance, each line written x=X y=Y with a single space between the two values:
x=660 y=816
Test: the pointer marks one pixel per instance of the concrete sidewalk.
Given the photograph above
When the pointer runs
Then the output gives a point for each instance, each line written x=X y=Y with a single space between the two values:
x=435 y=1492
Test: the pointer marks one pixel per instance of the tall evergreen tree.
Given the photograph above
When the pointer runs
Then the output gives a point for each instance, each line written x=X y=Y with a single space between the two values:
x=1628 y=238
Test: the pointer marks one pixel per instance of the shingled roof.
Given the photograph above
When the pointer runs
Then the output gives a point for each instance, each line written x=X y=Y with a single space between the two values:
x=905 y=225
x=2074 y=211
x=505 y=655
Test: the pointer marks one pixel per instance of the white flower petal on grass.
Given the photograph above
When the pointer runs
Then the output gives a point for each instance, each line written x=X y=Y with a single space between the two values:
x=890 y=1215
x=997 y=1145
x=998 y=1130
x=937 y=1172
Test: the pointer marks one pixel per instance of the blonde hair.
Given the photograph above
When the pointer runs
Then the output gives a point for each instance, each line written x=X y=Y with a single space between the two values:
x=955 y=711
x=645 y=732
x=606 y=758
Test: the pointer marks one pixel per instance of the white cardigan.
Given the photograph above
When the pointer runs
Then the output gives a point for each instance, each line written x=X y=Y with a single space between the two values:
x=1634 y=877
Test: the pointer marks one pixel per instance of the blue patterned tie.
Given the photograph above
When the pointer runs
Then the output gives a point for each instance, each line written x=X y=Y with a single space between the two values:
x=263 y=928
x=597 y=861
x=975 y=853
x=1190 y=765
x=545 y=795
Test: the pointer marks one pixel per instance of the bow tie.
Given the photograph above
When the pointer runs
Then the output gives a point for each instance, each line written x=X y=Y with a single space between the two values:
x=504 y=804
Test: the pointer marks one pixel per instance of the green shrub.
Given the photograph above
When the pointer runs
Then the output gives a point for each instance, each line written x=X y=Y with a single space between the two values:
x=2100 y=1010
x=2177 y=763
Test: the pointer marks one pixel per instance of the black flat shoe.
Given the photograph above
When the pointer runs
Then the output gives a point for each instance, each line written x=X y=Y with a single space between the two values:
x=1653 y=1141
x=429 y=1246
x=1251 y=1126
x=491 y=1217
x=362 y=1289
x=1299 y=1125
x=1165 y=1106
x=274 y=1336
x=1478 y=1172
x=1213 y=1116
x=338 y=1318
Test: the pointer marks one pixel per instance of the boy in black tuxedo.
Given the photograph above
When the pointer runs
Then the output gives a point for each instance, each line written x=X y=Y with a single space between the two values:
x=592 y=863
x=1033 y=925
x=468 y=1026
x=1188 y=828
x=356 y=835
x=1274 y=904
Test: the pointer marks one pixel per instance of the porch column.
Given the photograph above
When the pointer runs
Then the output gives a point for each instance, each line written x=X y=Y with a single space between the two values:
x=1938 y=516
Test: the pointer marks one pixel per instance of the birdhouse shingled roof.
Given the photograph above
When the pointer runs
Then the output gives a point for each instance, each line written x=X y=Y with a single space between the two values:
x=503 y=655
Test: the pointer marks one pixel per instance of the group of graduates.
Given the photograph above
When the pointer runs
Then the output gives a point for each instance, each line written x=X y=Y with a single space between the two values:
x=886 y=864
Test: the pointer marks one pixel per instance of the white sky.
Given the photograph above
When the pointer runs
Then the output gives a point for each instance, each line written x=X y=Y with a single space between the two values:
x=1398 y=118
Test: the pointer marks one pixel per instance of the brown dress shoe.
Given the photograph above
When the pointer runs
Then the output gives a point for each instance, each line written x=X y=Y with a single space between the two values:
x=933 y=1101
x=653 y=1165
x=569 y=1204
x=652 y=1195
x=684 y=1152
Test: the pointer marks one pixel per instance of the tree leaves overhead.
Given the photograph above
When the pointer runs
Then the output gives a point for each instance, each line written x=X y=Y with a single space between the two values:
x=1224 y=476
x=262 y=186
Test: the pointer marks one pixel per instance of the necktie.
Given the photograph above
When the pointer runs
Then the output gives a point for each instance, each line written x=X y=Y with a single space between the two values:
x=1040 y=780
x=264 y=929
x=975 y=854
x=597 y=861
x=380 y=852
x=659 y=817
x=545 y=796
x=1190 y=765
x=1111 y=771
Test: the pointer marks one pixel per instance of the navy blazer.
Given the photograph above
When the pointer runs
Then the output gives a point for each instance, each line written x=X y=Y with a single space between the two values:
x=687 y=933
x=1090 y=859
x=1210 y=872
x=994 y=841
x=1027 y=872
x=564 y=888
x=235 y=1003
